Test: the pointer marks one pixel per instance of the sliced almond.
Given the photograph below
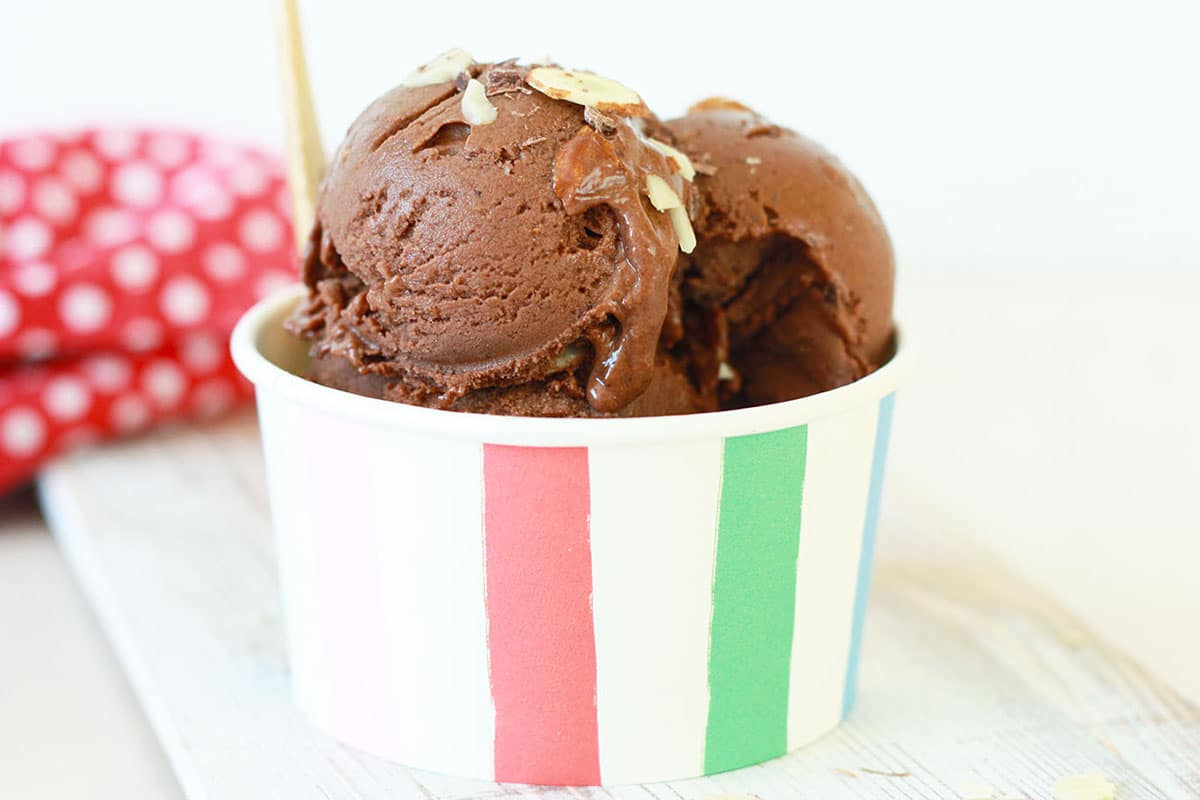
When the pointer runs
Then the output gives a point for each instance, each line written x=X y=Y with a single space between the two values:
x=601 y=122
x=683 y=229
x=719 y=104
x=567 y=359
x=443 y=68
x=661 y=195
x=476 y=108
x=1093 y=786
x=682 y=164
x=587 y=89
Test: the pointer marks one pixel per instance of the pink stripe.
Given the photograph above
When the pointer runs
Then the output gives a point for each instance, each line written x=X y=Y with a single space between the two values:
x=353 y=628
x=539 y=589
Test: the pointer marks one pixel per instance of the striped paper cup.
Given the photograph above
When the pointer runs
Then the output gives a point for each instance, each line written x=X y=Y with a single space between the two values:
x=568 y=601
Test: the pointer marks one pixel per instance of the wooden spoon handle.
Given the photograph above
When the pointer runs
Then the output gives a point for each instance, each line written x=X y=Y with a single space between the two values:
x=305 y=156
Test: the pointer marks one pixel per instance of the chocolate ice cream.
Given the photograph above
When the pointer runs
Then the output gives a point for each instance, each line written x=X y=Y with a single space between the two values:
x=793 y=257
x=481 y=245
x=519 y=240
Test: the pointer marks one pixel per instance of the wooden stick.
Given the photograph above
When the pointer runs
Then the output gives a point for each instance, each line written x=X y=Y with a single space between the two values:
x=305 y=156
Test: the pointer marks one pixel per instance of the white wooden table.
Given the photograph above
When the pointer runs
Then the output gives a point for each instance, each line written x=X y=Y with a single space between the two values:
x=1001 y=548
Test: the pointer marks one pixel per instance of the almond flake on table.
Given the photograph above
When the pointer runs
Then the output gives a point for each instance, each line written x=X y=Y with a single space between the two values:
x=1091 y=786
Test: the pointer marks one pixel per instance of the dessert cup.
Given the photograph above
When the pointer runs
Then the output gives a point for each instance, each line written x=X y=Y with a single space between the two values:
x=568 y=601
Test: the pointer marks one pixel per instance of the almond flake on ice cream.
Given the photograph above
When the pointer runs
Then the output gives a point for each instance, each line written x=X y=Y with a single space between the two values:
x=601 y=122
x=476 y=108
x=664 y=198
x=445 y=67
x=719 y=104
x=587 y=89
x=661 y=195
x=683 y=164
x=683 y=229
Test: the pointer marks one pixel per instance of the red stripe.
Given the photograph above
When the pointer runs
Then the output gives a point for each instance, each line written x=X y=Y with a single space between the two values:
x=539 y=603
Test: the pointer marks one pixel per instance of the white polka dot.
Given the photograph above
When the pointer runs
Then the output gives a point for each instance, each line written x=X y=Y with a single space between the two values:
x=213 y=397
x=248 y=179
x=81 y=169
x=261 y=230
x=85 y=308
x=171 y=230
x=222 y=154
x=270 y=282
x=12 y=191
x=129 y=413
x=22 y=432
x=142 y=334
x=137 y=184
x=27 y=238
x=184 y=301
x=108 y=373
x=37 y=344
x=134 y=268
x=169 y=150
x=196 y=189
x=164 y=382
x=217 y=206
x=110 y=226
x=35 y=279
x=67 y=398
x=202 y=353
x=116 y=145
x=10 y=313
x=224 y=262
x=54 y=199
x=32 y=154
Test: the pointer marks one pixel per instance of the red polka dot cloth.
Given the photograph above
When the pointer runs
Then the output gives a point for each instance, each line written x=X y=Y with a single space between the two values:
x=126 y=257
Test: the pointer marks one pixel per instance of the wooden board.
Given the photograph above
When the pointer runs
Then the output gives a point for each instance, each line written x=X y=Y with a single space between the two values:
x=971 y=677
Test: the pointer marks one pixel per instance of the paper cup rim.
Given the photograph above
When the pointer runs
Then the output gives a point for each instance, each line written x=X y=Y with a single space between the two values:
x=247 y=344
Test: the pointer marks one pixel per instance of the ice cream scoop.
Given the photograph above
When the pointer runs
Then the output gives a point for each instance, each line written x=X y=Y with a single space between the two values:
x=485 y=241
x=532 y=241
x=793 y=258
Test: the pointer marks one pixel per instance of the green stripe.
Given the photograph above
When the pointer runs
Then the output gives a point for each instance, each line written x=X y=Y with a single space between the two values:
x=754 y=598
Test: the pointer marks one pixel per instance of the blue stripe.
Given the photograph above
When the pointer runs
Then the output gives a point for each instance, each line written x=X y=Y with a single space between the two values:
x=883 y=430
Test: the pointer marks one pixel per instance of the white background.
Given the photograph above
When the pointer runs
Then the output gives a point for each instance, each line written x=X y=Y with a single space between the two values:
x=1011 y=138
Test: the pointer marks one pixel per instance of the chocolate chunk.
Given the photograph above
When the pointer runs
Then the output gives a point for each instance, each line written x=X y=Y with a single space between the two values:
x=503 y=79
x=461 y=80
